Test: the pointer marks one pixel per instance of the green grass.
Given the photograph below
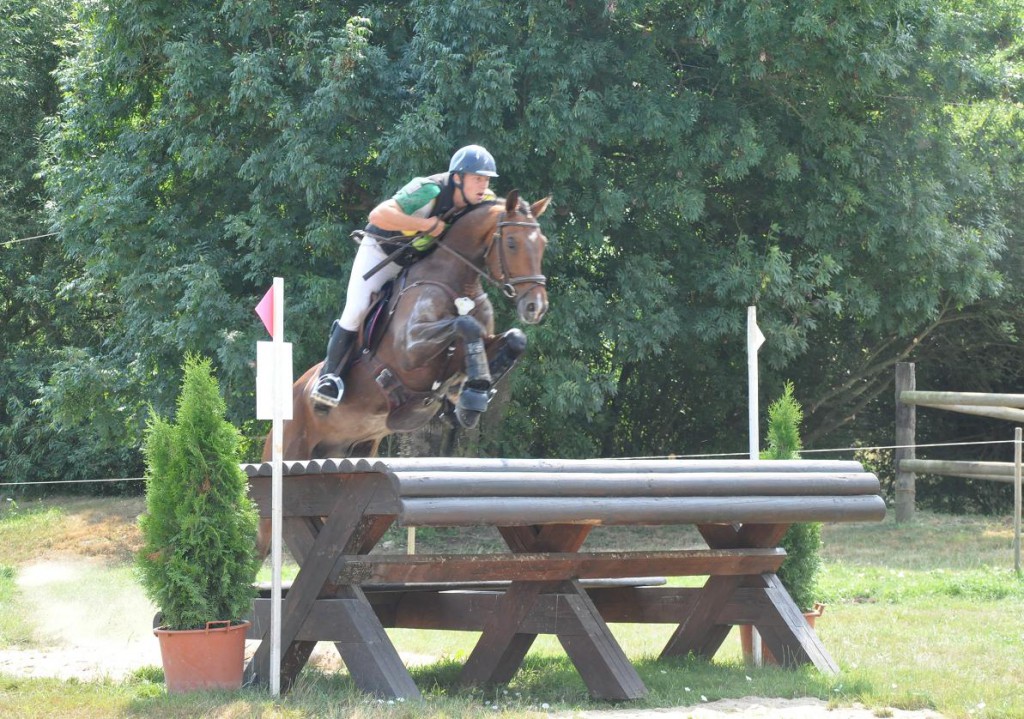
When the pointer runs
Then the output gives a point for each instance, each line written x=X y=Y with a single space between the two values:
x=14 y=629
x=920 y=615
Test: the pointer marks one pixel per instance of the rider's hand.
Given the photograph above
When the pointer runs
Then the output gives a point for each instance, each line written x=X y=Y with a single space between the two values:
x=438 y=228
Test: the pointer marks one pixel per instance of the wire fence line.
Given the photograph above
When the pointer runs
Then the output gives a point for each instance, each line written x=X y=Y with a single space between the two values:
x=5 y=483
x=835 y=449
x=8 y=243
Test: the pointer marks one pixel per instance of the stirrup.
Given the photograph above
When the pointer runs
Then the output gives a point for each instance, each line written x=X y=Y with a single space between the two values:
x=328 y=391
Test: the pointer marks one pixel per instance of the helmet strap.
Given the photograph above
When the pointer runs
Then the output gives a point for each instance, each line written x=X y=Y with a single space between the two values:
x=461 y=186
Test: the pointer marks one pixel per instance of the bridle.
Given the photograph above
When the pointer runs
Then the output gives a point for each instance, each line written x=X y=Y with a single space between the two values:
x=506 y=283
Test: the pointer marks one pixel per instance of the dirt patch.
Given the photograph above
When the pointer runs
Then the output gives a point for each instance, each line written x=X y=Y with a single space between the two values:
x=101 y=528
x=82 y=634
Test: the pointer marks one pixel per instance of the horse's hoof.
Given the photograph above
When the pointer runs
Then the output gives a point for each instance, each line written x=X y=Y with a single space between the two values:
x=475 y=400
x=467 y=418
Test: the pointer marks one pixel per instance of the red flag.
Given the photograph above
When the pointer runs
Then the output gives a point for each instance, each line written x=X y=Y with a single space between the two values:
x=265 y=310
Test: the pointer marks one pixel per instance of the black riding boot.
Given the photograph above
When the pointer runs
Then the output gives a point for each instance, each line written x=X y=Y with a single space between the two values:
x=329 y=387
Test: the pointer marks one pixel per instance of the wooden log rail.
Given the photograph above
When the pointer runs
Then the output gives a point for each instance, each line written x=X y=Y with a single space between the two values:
x=347 y=590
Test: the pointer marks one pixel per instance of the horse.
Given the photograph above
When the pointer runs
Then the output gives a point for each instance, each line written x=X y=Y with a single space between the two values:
x=429 y=348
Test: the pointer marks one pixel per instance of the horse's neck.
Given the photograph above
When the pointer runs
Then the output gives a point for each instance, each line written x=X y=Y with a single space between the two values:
x=470 y=244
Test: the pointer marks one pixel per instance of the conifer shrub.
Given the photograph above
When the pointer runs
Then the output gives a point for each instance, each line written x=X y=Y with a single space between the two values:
x=802 y=541
x=199 y=560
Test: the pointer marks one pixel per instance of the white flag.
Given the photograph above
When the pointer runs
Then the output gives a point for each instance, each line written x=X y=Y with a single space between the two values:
x=754 y=337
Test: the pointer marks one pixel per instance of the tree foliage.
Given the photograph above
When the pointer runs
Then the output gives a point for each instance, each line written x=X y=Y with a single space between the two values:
x=41 y=324
x=852 y=169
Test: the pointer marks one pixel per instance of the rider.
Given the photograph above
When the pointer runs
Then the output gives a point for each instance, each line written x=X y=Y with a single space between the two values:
x=411 y=218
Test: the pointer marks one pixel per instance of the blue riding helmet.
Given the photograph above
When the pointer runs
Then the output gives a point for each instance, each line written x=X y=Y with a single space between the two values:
x=475 y=160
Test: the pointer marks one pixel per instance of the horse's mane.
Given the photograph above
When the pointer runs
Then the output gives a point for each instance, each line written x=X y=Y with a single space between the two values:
x=521 y=206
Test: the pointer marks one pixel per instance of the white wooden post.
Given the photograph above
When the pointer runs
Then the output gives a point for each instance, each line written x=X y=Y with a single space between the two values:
x=754 y=341
x=274 y=402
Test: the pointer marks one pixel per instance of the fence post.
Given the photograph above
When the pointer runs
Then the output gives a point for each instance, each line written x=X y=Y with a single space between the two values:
x=906 y=429
x=1016 y=498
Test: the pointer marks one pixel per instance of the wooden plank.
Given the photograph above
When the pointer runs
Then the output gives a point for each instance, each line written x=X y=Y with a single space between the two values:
x=376 y=569
x=595 y=653
x=512 y=511
x=310 y=466
x=312 y=495
x=399 y=465
x=299 y=534
x=981 y=399
x=634 y=484
x=959 y=468
x=469 y=610
x=1007 y=413
x=316 y=565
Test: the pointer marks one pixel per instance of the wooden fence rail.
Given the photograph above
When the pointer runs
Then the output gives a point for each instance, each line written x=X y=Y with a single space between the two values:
x=998 y=406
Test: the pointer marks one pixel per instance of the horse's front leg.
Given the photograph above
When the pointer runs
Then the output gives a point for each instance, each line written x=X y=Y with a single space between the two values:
x=476 y=390
x=503 y=351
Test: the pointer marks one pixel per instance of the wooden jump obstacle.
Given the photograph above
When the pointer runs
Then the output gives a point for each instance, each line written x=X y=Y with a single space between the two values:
x=348 y=590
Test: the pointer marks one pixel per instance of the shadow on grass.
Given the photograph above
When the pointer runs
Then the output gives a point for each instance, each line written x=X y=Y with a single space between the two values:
x=543 y=684
x=553 y=682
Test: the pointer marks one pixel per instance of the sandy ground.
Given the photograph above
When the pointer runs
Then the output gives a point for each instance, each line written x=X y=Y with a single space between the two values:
x=89 y=638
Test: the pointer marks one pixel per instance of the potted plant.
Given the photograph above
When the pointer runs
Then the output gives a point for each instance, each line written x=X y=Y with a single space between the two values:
x=802 y=540
x=198 y=563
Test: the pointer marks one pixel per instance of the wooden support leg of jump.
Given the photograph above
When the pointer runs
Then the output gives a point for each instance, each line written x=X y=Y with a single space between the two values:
x=602 y=664
x=605 y=669
x=379 y=663
x=586 y=638
x=501 y=648
x=369 y=655
x=699 y=633
x=785 y=630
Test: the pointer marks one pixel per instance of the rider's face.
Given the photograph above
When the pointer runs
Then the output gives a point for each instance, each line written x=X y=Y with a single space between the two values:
x=474 y=186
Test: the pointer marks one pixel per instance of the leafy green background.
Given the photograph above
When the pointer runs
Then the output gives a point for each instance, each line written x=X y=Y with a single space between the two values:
x=852 y=169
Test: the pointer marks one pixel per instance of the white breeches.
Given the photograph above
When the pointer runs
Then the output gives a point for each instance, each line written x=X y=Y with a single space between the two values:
x=357 y=300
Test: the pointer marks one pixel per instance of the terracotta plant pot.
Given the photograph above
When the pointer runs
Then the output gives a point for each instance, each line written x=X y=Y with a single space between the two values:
x=747 y=637
x=203 y=659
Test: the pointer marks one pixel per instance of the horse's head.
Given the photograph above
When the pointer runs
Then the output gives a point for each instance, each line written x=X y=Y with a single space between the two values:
x=514 y=258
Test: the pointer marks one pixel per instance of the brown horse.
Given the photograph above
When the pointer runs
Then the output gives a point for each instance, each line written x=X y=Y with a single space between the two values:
x=421 y=354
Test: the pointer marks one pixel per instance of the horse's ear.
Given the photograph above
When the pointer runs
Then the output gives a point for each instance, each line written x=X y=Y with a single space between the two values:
x=512 y=202
x=538 y=207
